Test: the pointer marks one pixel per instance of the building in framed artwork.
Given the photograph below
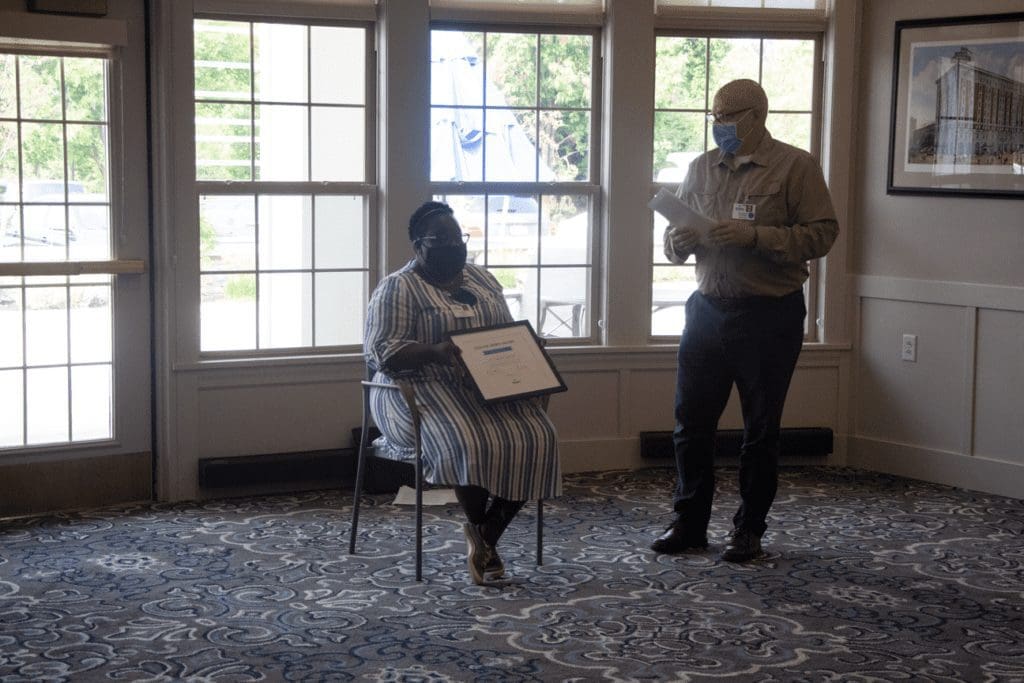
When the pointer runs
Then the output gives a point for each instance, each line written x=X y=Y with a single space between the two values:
x=957 y=122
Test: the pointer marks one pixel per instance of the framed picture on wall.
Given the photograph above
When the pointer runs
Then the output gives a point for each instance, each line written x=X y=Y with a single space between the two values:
x=957 y=122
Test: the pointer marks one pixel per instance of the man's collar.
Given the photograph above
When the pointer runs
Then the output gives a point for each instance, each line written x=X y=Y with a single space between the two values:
x=759 y=156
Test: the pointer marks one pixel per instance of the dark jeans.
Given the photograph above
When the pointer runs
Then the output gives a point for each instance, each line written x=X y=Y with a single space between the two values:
x=754 y=343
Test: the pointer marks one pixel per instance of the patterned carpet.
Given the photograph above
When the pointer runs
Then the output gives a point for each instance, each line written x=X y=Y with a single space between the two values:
x=867 y=578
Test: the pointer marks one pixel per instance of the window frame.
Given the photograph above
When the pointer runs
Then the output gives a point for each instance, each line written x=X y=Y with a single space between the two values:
x=592 y=188
x=813 y=323
x=368 y=189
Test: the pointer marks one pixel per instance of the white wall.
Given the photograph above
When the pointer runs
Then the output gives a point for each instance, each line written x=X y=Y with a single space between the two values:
x=947 y=269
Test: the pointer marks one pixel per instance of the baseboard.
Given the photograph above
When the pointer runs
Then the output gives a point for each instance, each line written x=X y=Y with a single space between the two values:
x=974 y=473
x=795 y=441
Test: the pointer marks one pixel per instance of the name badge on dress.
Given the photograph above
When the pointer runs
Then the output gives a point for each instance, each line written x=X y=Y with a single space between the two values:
x=743 y=212
x=462 y=311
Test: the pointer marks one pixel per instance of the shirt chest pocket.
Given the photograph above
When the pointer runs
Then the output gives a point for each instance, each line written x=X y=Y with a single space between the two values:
x=770 y=203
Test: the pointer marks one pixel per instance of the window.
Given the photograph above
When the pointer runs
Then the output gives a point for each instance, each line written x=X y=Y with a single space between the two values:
x=56 y=353
x=689 y=70
x=284 y=165
x=512 y=150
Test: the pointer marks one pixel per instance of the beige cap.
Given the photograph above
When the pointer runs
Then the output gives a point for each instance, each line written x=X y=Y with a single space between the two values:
x=740 y=95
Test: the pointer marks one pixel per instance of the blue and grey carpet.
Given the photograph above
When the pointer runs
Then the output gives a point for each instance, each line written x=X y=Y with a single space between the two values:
x=866 y=578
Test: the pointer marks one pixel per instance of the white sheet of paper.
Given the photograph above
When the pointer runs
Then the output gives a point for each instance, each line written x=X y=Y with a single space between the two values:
x=678 y=213
x=407 y=496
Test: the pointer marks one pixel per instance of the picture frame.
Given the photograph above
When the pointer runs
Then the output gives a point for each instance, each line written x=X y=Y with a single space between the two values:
x=957 y=118
x=506 y=362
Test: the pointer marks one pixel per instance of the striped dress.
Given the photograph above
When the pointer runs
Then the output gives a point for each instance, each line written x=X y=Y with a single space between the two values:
x=510 y=448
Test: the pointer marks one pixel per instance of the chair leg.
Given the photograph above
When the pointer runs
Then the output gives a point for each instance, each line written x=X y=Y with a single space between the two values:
x=357 y=489
x=540 y=532
x=419 y=515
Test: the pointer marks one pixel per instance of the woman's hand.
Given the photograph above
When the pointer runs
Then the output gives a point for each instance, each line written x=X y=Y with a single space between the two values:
x=445 y=353
x=415 y=356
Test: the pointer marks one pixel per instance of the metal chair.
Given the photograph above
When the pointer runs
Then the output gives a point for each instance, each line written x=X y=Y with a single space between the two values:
x=409 y=395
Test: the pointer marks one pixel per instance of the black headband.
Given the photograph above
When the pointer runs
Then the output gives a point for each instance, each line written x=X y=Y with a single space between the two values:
x=444 y=208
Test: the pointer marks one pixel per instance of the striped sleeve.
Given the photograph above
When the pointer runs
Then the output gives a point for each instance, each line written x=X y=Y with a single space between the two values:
x=390 y=322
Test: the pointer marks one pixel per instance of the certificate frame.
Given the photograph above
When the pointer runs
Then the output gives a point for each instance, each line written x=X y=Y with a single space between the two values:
x=506 y=362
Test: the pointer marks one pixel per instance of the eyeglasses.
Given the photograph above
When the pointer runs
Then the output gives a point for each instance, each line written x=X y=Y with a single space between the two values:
x=440 y=240
x=731 y=117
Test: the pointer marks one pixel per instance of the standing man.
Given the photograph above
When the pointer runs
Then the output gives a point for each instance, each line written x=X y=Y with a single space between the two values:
x=745 y=324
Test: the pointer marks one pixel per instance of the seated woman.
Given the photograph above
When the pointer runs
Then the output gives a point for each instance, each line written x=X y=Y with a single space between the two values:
x=495 y=456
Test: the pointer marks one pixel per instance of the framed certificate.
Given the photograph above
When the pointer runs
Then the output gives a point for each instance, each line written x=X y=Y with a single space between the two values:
x=506 y=362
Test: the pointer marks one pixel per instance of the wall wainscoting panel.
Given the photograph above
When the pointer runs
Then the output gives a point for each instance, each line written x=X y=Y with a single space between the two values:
x=951 y=416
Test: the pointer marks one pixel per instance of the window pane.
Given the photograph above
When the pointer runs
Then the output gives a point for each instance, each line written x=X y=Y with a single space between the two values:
x=227 y=312
x=563 y=302
x=340 y=235
x=87 y=162
x=42 y=154
x=45 y=232
x=8 y=88
x=84 y=86
x=338 y=143
x=285 y=303
x=331 y=46
x=227 y=232
x=91 y=325
x=565 y=145
x=8 y=159
x=792 y=128
x=456 y=68
x=40 y=87
x=89 y=227
x=681 y=72
x=10 y=328
x=340 y=307
x=678 y=140
x=520 y=289
x=46 y=333
x=456 y=145
x=10 y=234
x=511 y=70
x=671 y=287
x=285 y=232
x=223 y=141
x=12 y=408
x=509 y=149
x=565 y=71
x=282 y=142
x=279 y=62
x=733 y=58
x=789 y=74
x=92 y=401
x=565 y=230
x=46 y=405
x=222 y=60
x=512 y=226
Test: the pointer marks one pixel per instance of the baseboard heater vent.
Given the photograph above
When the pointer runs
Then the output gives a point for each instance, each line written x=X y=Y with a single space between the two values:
x=335 y=467
x=800 y=441
x=276 y=468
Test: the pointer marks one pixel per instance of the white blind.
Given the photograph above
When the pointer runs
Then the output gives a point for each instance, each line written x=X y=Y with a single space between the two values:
x=794 y=15
x=299 y=9
x=576 y=11
x=814 y=5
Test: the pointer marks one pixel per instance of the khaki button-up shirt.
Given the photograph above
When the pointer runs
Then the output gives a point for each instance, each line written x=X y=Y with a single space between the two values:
x=793 y=218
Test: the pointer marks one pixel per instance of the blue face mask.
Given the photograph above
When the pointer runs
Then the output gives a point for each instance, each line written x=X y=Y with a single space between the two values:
x=726 y=136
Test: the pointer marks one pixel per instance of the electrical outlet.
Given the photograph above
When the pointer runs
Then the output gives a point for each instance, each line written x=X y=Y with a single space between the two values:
x=908 y=351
